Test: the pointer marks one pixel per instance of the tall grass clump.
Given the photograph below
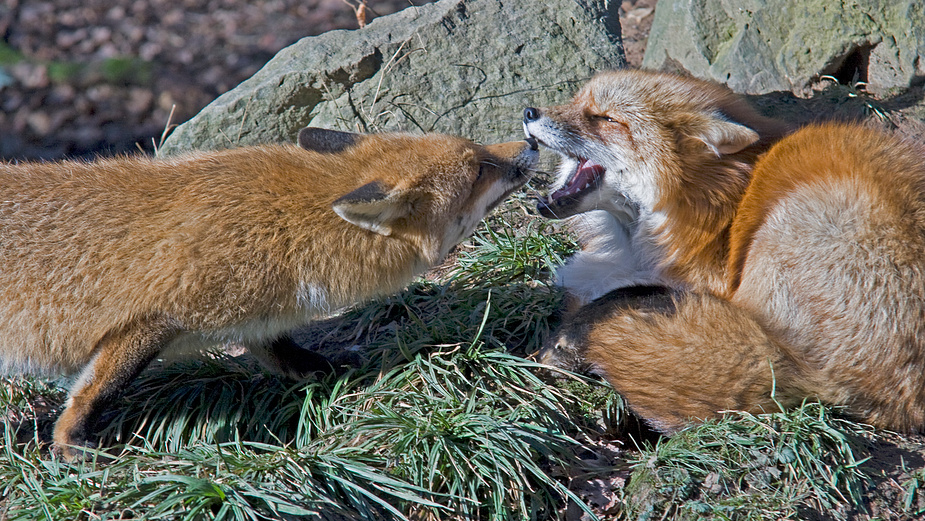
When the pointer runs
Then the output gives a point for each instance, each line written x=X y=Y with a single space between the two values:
x=753 y=467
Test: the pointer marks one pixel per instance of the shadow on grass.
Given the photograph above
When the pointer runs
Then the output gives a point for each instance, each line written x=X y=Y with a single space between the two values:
x=217 y=397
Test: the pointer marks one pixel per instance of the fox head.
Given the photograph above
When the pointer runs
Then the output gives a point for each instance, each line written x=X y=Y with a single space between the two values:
x=630 y=140
x=428 y=188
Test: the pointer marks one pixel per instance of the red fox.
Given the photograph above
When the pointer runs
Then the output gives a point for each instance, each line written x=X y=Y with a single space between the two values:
x=108 y=263
x=797 y=259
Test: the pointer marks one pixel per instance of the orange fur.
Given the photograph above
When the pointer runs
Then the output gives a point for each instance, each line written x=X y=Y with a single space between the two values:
x=103 y=265
x=671 y=373
x=677 y=153
x=829 y=255
x=804 y=251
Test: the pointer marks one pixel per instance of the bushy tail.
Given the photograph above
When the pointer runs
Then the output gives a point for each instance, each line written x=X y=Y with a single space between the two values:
x=678 y=356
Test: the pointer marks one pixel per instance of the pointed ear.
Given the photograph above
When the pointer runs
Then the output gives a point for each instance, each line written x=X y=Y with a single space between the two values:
x=373 y=207
x=723 y=136
x=327 y=141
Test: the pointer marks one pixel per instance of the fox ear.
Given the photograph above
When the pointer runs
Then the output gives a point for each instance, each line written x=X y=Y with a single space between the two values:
x=723 y=136
x=372 y=207
x=327 y=141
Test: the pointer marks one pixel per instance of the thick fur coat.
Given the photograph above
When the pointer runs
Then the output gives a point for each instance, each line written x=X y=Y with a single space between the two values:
x=105 y=264
x=809 y=246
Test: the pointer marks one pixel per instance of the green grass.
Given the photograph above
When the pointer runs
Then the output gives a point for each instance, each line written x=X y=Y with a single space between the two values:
x=442 y=417
x=768 y=466
x=9 y=55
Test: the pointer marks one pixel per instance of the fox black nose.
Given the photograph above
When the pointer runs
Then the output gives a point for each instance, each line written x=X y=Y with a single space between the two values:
x=531 y=114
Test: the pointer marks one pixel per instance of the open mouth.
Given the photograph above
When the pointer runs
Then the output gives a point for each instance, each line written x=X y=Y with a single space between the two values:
x=566 y=201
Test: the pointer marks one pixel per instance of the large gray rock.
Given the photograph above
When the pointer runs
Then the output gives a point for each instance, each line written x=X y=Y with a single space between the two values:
x=759 y=46
x=464 y=67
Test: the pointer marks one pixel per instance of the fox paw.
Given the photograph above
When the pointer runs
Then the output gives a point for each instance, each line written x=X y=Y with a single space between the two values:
x=73 y=451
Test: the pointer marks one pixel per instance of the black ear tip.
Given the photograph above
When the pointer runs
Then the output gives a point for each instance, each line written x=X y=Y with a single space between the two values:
x=327 y=141
x=373 y=191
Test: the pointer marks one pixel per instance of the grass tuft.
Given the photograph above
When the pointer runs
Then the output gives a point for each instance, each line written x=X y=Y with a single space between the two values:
x=746 y=466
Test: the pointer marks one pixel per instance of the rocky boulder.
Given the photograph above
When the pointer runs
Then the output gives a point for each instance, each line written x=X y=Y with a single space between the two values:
x=759 y=46
x=464 y=67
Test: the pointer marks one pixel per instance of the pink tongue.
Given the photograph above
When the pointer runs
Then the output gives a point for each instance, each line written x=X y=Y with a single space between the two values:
x=588 y=172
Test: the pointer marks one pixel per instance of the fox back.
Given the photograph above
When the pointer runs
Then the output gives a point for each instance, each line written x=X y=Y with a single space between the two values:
x=828 y=254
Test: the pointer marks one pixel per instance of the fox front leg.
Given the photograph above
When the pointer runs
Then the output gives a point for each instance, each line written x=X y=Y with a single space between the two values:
x=119 y=357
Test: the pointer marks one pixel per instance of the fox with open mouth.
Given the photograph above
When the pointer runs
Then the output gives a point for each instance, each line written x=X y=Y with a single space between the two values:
x=736 y=262
x=659 y=155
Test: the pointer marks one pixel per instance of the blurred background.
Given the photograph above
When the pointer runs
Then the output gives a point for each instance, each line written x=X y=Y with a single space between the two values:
x=82 y=78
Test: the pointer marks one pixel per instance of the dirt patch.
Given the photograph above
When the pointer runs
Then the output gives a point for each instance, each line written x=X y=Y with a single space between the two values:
x=635 y=22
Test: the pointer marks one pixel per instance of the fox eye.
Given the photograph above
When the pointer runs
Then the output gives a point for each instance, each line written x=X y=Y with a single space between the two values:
x=604 y=117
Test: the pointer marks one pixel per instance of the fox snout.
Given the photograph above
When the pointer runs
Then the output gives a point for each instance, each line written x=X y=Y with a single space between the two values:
x=521 y=155
x=579 y=176
x=532 y=116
